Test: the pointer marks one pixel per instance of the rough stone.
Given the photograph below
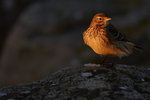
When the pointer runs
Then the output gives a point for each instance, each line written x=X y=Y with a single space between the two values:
x=120 y=82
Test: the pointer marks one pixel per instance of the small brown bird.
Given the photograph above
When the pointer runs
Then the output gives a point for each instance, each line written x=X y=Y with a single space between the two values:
x=105 y=40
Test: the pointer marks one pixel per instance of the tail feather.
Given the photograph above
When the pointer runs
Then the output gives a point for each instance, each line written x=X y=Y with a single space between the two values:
x=138 y=48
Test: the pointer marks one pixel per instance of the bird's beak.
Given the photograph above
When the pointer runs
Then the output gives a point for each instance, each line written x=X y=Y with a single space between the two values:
x=107 y=19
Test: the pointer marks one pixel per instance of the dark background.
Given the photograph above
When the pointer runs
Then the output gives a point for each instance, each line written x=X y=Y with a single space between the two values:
x=38 y=37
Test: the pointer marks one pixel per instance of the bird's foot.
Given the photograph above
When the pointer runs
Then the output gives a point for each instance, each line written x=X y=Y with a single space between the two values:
x=95 y=69
x=90 y=67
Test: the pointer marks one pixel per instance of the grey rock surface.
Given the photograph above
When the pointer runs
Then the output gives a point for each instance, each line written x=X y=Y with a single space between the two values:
x=90 y=82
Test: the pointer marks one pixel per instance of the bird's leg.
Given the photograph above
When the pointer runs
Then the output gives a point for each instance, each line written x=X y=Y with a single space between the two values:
x=106 y=64
x=104 y=60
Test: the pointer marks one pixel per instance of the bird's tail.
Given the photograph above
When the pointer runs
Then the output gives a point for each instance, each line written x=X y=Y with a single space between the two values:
x=138 y=48
x=133 y=46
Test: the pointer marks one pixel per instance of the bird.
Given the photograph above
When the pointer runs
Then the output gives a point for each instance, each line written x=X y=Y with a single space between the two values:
x=106 y=40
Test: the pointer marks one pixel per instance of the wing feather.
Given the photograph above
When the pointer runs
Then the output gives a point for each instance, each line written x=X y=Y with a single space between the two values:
x=116 y=35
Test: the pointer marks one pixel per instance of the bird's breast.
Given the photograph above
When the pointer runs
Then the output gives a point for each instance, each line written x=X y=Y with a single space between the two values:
x=101 y=44
x=97 y=43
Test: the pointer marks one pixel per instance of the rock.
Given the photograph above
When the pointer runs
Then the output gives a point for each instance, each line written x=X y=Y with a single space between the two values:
x=120 y=82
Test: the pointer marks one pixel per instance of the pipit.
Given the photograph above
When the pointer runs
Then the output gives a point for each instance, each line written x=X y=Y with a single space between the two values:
x=105 y=40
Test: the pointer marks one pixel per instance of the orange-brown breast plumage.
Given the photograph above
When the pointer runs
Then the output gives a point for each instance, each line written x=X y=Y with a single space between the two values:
x=104 y=42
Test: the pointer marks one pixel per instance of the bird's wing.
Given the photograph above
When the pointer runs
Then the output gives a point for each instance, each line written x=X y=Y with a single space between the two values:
x=119 y=40
x=114 y=34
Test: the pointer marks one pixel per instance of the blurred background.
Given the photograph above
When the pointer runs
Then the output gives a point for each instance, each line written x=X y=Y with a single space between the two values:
x=39 y=37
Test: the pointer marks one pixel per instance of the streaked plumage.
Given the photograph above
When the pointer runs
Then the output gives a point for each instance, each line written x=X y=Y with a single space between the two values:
x=104 y=39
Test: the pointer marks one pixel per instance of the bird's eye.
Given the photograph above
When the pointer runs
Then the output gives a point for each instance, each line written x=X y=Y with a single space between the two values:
x=100 y=18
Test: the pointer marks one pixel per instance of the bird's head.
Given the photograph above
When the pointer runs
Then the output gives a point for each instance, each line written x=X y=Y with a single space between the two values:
x=100 y=19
